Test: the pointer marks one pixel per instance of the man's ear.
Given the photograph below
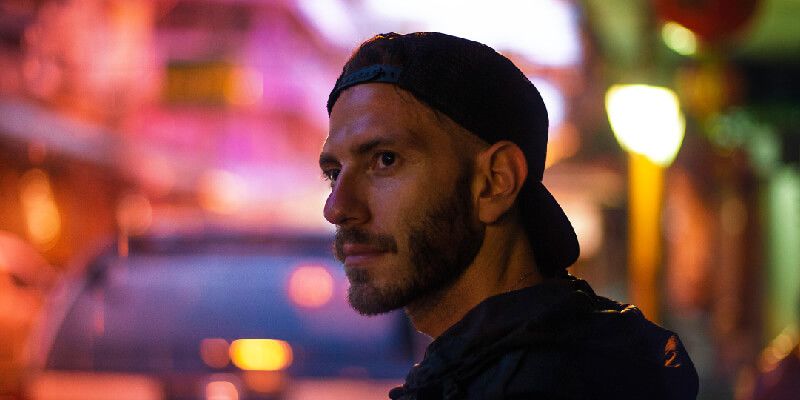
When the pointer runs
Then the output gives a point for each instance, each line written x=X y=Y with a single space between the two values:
x=502 y=170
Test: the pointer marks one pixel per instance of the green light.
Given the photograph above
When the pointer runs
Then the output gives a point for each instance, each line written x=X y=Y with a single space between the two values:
x=679 y=39
x=783 y=250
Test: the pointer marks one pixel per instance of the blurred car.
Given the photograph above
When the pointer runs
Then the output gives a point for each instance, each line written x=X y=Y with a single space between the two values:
x=215 y=317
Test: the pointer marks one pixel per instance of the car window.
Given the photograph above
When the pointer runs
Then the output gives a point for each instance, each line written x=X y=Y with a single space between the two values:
x=150 y=311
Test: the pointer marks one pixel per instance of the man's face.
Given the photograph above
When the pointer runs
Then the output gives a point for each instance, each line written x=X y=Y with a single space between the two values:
x=400 y=198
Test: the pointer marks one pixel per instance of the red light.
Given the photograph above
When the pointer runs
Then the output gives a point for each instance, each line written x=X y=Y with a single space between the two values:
x=214 y=352
x=310 y=286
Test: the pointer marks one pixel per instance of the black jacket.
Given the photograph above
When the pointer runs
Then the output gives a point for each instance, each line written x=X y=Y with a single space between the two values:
x=556 y=340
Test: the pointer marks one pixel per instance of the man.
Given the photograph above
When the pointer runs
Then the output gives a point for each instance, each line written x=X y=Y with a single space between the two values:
x=435 y=157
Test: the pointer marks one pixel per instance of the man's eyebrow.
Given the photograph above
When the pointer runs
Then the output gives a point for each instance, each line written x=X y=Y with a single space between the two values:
x=366 y=147
x=370 y=145
x=325 y=158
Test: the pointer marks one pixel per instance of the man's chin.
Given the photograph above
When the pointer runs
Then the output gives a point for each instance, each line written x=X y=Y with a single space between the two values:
x=368 y=300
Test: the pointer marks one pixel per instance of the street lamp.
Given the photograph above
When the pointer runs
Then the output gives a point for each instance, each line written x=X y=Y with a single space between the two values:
x=646 y=120
x=649 y=125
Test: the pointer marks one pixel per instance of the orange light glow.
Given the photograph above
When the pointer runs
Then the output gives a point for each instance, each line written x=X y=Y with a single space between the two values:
x=778 y=349
x=245 y=87
x=587 y=221
x=265 y=381
x=41 y=213
x=565 y=142
x=311 y=286
x=221 y=390
x=214 y=352
x=53 y=385
x=261 y=354
x=222 y=192
x=134 y=213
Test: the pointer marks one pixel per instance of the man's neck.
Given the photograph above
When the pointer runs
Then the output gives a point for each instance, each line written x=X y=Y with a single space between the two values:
x=504 y=263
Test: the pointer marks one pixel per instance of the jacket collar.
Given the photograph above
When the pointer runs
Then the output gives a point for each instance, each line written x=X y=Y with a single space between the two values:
x=497 y=317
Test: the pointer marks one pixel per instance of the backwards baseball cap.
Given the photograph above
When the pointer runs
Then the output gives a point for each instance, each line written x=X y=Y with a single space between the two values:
x=488 y=95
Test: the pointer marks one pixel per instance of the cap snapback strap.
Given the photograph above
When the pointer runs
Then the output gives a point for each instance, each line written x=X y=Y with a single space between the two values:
x=373 y=73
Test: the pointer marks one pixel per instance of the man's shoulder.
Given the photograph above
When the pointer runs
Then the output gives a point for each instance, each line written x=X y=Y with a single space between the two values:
x=611 y=352
x=557 y=341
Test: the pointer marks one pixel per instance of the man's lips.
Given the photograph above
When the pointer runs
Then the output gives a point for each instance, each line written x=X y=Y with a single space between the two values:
x=360 y=253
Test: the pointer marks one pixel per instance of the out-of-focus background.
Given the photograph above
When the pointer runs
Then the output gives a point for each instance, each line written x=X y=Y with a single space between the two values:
x=161 y=230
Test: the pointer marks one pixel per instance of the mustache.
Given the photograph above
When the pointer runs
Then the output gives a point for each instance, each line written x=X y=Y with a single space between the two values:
x=384 y=243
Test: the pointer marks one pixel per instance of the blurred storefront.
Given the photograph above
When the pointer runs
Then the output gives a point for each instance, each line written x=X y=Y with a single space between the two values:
x=121 y=117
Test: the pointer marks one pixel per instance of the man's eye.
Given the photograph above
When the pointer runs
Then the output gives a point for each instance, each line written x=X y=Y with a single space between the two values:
x=331 y=175
x=386 y=159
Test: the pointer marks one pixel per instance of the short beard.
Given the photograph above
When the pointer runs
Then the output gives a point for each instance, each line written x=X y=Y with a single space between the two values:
x=442 y=244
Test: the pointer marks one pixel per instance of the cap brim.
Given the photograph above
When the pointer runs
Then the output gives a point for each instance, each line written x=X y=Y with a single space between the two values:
x=553 y=238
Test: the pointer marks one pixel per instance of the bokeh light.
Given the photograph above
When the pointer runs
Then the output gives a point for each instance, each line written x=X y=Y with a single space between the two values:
x=261 y=354
x=221 y=390
x=214 y=352
x=310 y=286
x=40 y=209
x=222 y=191
x=679 y=38
x=646 y=120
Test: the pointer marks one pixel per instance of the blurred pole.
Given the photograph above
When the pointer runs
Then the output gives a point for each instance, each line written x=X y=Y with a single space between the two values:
x=645 y=197
x=649 y=126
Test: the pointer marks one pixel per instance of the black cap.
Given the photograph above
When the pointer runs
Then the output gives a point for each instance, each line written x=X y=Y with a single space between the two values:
x=488 y=95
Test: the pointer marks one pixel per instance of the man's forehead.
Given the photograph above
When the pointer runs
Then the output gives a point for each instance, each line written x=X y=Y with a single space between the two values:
x=365 y=112
x=378 y=110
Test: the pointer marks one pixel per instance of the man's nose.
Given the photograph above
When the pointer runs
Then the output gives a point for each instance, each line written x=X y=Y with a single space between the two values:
x=345 y=205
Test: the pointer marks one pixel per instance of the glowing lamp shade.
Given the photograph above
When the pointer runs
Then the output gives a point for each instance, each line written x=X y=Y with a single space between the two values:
x=646 y=120
x=261 y=354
